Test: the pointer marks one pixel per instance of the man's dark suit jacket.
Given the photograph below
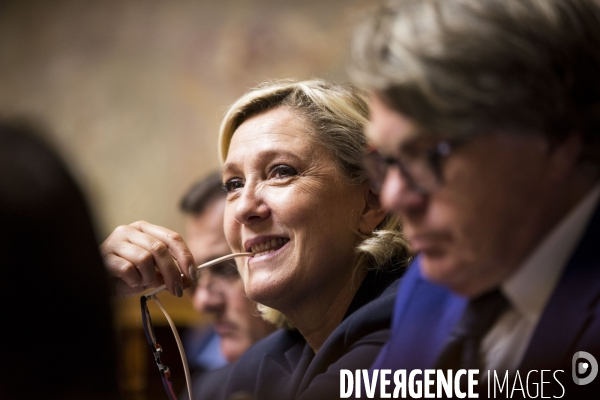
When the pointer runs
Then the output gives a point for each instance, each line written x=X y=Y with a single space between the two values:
x=425 y=314
x=208 y=384
x=283 y=366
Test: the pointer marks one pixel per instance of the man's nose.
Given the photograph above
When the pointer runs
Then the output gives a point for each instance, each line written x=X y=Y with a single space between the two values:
x=208 y=297
x=399 y=195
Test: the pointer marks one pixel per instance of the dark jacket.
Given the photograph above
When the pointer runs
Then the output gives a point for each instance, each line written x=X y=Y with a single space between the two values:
x=425 y=314
x=208 y=384
x=283 y=366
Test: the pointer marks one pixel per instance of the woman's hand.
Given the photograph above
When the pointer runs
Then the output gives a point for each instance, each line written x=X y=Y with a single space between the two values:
x=141 y=255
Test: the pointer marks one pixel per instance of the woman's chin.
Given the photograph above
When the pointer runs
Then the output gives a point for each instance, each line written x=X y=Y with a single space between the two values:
x=266 y=281
x=263 y=290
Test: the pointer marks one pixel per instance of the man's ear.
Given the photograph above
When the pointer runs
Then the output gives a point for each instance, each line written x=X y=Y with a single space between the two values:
x=372 y=213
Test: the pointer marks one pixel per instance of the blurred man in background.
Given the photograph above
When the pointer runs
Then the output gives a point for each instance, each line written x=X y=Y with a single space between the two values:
x=486 y=115
x=217 y=291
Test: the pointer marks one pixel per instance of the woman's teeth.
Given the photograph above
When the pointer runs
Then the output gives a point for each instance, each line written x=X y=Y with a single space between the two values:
x=268 y=247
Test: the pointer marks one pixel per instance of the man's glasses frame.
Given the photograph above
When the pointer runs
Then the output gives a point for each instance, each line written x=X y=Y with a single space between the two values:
x=421 y=167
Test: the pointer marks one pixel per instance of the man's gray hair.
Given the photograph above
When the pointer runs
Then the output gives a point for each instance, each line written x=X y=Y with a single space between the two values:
x=460 y=68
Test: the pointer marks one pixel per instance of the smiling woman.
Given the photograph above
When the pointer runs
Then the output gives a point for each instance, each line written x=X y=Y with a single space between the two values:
x=325 y=250
x=327 y=256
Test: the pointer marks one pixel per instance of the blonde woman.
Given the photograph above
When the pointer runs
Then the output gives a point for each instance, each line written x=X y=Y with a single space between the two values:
x=327 y=256
x=324 y=248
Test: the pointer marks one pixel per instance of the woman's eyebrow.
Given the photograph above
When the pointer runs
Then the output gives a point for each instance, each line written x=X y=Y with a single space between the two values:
x=228 y=168
x=265 y=156
x=275 y=153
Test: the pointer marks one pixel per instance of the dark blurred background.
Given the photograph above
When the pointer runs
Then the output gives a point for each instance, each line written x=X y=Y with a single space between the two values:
x=133 y=92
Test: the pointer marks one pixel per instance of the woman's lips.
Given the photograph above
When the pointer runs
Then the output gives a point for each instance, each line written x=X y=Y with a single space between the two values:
x=270 y=252
x=268 y=246
x=262 y=244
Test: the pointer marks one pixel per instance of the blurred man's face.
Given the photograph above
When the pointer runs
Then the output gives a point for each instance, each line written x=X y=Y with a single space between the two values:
x=220 y=291
x=495 y=202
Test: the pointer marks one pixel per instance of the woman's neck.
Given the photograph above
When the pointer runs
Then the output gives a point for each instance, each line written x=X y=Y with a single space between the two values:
x=318 y=317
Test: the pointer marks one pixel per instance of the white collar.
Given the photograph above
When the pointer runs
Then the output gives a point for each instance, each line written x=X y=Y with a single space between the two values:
x=530 y=287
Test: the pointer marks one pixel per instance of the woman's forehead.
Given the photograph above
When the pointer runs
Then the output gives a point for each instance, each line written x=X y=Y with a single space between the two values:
x=277 y=120
x=279 y=128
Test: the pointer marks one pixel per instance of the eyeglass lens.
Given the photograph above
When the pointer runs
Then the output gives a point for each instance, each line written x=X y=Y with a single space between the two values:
x=421 y=168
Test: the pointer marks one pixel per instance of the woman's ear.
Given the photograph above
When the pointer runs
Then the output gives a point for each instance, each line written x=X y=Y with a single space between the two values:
x=372 y=213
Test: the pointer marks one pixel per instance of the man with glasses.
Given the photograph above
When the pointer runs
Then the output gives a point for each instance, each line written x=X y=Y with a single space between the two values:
x=218 y=291
x=486 y=140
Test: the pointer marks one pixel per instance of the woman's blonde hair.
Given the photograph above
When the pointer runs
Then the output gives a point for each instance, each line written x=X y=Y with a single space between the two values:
x=337 y=115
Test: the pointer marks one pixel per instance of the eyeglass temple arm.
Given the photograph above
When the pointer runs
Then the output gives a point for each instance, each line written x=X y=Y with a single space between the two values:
x=206 y=264
x=186 y=368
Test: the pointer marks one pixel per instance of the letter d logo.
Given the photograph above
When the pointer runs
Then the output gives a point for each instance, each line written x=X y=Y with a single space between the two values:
x=584 y=367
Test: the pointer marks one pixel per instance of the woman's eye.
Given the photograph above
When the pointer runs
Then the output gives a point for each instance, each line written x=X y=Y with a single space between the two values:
x=283 y=171
x=232 y=185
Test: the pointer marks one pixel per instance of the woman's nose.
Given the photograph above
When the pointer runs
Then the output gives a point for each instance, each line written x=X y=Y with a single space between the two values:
x=398 y=195
x=208 y=298
x=251 y=206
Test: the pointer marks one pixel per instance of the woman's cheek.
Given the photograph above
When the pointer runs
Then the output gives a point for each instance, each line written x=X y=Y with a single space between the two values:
x=243 y=270
x=232 y=232
x=294 y=206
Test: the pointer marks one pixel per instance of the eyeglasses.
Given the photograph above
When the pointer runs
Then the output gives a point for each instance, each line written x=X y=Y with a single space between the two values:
x=225 y=271
x=165 y=372
x=419 y=165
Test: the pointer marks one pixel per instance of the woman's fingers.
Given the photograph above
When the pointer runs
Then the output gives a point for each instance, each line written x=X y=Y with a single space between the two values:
x=122 y=289
x=170 y=246
x=133 y=264
x=142 y=255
